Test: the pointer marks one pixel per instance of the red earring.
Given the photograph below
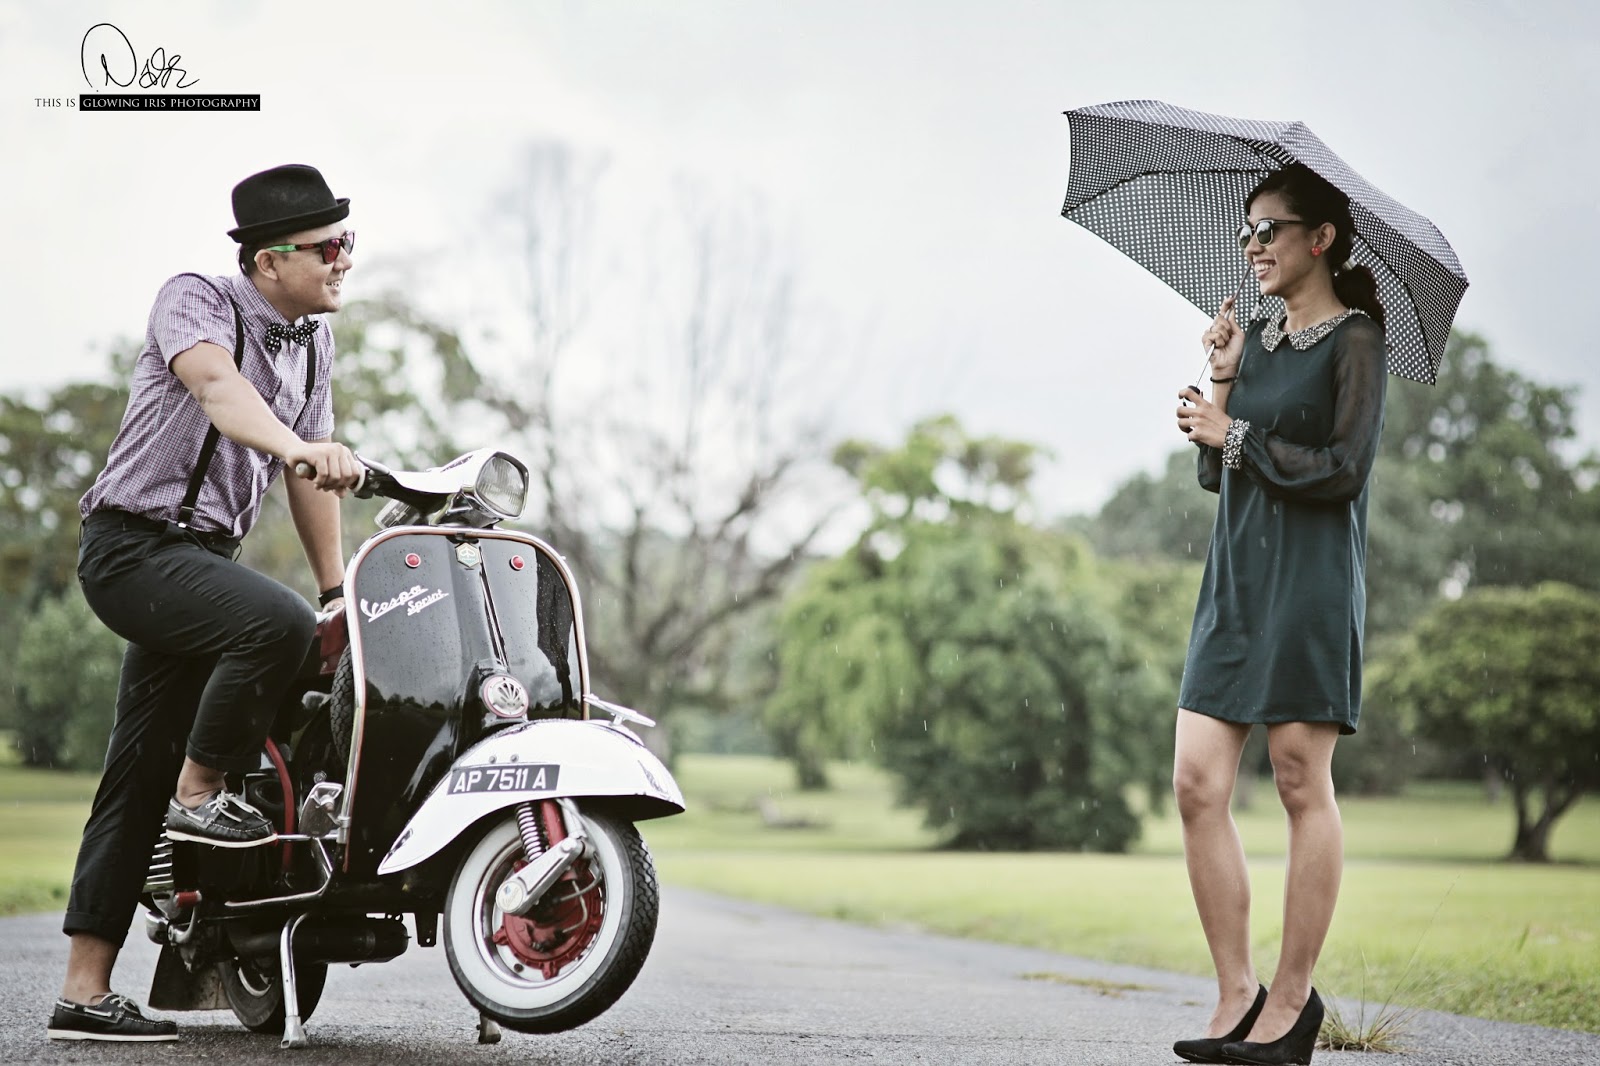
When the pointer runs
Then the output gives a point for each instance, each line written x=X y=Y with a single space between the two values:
x=1316 y=251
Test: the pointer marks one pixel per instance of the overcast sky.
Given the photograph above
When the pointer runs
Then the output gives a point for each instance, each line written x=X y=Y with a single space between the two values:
x=910 y=157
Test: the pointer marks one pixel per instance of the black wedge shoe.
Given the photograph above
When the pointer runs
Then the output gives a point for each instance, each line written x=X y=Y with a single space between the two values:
x=1293 y=1047
x=1209 y=1049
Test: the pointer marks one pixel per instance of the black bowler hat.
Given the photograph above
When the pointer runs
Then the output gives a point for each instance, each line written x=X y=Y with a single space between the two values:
x=283 y=200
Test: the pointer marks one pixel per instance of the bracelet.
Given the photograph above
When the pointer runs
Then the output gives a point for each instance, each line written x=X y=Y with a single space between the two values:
x=327 y=596
x=1224 y=381
x=1233 y=443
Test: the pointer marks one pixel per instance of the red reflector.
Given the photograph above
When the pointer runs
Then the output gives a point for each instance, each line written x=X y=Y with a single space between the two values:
x=413 y=560
x=517 y=563
x=188 y=899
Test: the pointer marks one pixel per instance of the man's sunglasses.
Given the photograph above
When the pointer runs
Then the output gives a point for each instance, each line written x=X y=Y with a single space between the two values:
x=330 y=247
x=1262 y=231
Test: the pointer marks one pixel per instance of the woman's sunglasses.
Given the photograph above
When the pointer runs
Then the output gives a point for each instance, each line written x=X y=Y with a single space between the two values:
x=1264 y=230
x=330 y=247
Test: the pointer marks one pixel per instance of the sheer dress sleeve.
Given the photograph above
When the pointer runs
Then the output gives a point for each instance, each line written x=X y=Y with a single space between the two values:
x=1208 y=467
x=1335 y=472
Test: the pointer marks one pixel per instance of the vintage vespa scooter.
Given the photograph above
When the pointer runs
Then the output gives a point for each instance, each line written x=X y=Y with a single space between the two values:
x=442 y=760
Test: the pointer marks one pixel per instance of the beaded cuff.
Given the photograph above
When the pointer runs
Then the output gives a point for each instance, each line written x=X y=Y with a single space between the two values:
x=1233 y=443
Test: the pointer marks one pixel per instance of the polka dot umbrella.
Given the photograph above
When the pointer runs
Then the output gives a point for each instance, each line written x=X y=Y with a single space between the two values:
x=1166 y=186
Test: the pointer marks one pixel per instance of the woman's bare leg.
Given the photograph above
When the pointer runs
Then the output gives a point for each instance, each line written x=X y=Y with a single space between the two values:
x=1302 y=766
x=1205 y=766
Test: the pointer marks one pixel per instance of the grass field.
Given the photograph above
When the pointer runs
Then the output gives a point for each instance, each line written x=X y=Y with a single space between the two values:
x=41 y=819
x=1427 y=914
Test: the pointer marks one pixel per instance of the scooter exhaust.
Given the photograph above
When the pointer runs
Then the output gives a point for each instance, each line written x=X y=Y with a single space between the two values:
x=330 y=939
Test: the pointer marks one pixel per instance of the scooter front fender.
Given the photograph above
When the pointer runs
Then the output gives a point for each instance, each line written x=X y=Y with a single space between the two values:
x=537 y=761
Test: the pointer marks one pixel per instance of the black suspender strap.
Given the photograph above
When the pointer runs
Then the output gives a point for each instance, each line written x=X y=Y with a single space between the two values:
x=311 y=378
x=209 y=447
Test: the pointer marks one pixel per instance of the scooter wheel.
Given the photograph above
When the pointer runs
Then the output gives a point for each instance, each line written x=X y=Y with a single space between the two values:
x=254 y=988
x=576 y=952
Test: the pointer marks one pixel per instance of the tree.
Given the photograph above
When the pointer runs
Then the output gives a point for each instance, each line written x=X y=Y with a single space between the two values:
x=1513 y=674
x=51 y=448
x=1147 y=517
x=67 y=667
x=977 y=657
x=50 y=453
x=1488 y=450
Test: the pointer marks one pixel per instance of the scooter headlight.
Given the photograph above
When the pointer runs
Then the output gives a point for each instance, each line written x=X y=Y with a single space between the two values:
x=503 y=485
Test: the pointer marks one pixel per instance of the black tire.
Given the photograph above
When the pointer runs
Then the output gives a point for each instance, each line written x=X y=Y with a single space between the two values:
x=523 y=999
x=254 y=988
x=342 y=709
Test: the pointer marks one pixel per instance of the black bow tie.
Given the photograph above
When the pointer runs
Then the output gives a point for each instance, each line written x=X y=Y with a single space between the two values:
x=277 y=333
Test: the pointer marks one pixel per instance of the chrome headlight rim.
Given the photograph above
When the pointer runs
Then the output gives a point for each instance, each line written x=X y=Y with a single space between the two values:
x=488 y=488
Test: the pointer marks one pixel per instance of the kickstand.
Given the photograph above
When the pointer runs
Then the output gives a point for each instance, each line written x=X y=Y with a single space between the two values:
x=294 y=1032
x=488 y=1030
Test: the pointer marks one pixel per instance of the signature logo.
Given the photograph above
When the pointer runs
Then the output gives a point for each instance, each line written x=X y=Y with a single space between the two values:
x=119 y=64
x=415 y=599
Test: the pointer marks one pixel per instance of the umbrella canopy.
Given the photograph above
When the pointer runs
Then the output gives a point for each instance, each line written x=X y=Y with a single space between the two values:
x=1166 y=186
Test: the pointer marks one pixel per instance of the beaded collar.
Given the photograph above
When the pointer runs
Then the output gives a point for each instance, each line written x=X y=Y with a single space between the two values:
x=1273 y=333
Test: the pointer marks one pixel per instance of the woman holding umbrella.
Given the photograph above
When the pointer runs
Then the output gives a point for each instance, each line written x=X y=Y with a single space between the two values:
x=1288 y=440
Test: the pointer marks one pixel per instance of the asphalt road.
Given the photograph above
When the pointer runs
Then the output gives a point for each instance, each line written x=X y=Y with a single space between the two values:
x=739 y=983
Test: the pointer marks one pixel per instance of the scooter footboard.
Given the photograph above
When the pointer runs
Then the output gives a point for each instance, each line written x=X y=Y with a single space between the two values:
x=540 y=760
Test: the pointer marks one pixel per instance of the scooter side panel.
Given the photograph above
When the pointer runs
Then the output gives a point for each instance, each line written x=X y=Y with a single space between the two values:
x=540 y=760
x=421 y=624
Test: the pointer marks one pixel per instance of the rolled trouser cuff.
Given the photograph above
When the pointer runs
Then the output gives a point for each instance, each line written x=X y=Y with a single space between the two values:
x=232 y=764
x=83 y=922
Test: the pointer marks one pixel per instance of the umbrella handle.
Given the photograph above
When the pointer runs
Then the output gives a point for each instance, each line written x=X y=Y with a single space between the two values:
x=1213 y=347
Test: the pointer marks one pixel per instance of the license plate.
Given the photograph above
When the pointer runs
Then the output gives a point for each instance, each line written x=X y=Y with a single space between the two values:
x=512 y=777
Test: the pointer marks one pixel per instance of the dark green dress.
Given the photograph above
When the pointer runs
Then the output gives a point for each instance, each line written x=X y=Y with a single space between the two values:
x=1277 y=631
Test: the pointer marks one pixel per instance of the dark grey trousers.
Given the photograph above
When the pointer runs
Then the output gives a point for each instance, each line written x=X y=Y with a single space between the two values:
x=213 y=647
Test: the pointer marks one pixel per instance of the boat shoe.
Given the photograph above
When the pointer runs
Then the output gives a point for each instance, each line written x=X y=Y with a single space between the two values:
x=223 y=821
x=115 y=1017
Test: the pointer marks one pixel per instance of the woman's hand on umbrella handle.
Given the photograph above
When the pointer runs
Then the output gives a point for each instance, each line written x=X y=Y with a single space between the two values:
x=1204 y=422
x=1224 y=342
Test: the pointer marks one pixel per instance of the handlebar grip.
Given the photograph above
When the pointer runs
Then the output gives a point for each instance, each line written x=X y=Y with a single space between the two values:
x=363 y=477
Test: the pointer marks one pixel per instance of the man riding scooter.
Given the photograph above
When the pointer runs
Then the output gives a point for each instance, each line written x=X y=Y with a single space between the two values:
x=231 y=388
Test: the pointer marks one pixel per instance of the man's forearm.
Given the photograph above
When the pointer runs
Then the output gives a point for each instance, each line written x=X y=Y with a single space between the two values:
x=316 y=519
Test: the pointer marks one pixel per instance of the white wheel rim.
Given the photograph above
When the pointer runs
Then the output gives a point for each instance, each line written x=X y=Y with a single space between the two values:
x=474 y=917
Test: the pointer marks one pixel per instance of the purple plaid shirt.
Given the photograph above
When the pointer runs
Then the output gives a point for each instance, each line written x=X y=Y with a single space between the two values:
x=155 y=450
